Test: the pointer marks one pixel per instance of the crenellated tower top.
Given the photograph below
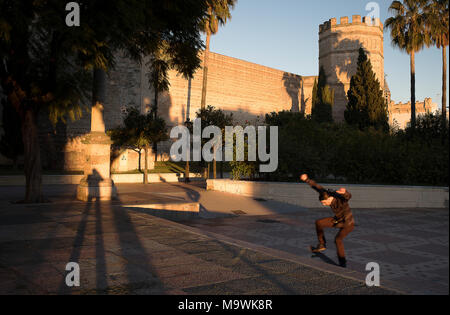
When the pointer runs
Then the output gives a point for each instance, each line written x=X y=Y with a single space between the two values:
x=339 y=45
x=344 y=22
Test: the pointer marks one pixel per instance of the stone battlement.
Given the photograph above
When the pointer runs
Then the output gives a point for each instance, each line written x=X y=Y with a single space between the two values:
x=427 y=106
x=400 y=113
x=344 y=21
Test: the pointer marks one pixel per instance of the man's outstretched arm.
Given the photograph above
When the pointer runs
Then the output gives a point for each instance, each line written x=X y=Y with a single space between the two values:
x=312 y=183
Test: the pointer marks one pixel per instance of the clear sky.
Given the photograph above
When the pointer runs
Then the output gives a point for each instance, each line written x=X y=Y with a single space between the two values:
x=283 y=34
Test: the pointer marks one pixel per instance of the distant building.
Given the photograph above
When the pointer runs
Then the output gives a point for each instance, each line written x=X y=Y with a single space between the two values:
x=400 y=113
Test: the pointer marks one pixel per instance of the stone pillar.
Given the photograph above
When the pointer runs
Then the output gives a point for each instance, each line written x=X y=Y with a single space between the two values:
x=96 y=183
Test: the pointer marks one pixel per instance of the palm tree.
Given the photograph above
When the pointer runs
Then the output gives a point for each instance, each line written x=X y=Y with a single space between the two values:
x=218 y=14
x=437 y=18
x=159 y=64
x=408 y=33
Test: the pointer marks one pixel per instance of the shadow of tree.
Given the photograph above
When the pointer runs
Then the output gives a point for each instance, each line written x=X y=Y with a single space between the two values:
x=296 y=87
x=108 y=240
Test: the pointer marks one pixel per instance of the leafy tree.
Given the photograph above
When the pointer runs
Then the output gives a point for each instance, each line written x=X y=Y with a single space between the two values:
x=367 y=106
x=245 y=169
x=11 y=145
x=371 y=156
x=323 y=99
x=429 y=127
x=37 y=72
x=315 y=98
x=47 y=65
x=408 y=33
x=139 y=132
x=437 y=22
x=218 y=13
x=211 y=116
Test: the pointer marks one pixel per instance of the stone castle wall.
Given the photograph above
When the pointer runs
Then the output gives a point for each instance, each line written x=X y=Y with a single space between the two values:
x=247 y=90
x=339 y=45
x=400 y=113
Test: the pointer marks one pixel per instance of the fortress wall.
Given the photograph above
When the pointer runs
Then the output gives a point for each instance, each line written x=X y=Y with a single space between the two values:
x=338 y=53
x=247 y=90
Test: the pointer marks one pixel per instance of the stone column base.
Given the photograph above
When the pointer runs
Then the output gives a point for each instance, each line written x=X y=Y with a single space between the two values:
x=96 y=184
x=96 y=190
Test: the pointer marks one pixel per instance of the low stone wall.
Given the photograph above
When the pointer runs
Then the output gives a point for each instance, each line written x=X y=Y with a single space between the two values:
x=19 y=180
x=364 y=196
x=152 y=178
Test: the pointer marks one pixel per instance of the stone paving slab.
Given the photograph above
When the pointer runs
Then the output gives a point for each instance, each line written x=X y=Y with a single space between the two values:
x=121 y=251
x=243 y=238
x=414 y=256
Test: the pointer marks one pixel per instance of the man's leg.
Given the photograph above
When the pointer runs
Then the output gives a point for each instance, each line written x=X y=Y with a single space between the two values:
x=320 y=225
x=340 y=244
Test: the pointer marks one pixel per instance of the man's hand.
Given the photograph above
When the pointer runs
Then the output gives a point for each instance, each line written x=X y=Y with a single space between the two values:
x=304 y=177
x=342 y=191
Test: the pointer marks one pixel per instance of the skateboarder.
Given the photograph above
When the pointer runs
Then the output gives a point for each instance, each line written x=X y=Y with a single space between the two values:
x=343 y=219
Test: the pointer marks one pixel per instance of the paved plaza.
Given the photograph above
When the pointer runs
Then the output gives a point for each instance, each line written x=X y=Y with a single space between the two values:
x=236 y=246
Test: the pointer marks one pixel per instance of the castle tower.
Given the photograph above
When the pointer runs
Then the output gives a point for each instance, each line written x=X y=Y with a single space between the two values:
x=339 y=44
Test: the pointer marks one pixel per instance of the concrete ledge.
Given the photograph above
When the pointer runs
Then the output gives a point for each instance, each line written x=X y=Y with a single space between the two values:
x=152 y=178
x=102 y=190
x=170 y=211
x=19 y=180
x=364 y=196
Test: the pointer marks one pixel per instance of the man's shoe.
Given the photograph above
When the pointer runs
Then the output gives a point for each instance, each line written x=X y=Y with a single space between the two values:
x=319 y=248
x=342 y=262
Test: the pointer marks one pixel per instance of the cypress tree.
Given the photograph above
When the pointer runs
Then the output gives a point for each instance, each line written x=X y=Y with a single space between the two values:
x=366 y=106
x=322 y=99
x=314 y=97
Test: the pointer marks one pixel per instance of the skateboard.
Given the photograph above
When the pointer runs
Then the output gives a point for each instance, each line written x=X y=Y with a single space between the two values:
x=315 y=250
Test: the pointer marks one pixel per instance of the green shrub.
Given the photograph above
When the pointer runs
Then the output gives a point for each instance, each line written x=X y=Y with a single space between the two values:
x=339 y=152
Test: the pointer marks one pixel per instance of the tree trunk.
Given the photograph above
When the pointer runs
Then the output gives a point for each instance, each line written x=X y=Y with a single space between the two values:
x=205 y=70
x=146 y=165
x=15 y=165
x=186 y=172
x=214 y=164
x=413 y=91
x=444 y=84
x=205 y=83
x=155 y=105
x=155 y=114
x=32 y=155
